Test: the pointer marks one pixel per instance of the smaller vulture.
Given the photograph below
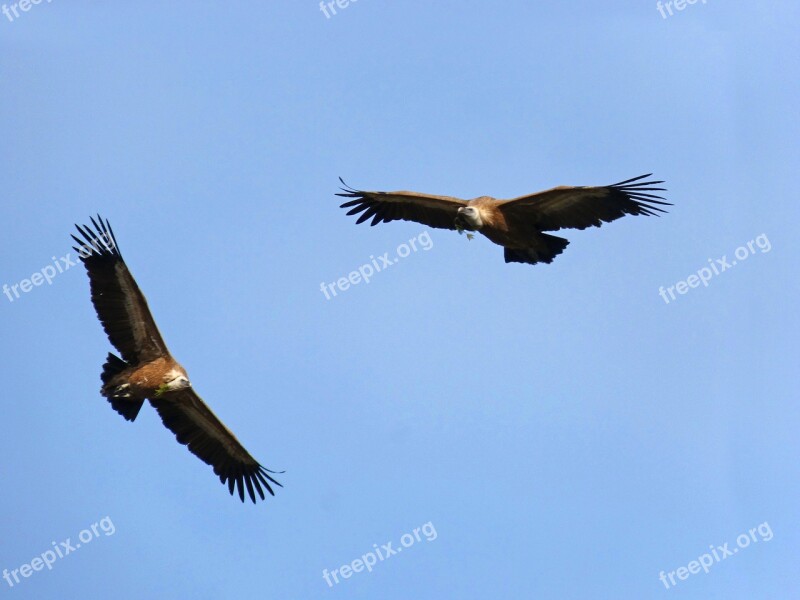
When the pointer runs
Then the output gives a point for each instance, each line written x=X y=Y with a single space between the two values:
x=517 y=224
x=146 y=370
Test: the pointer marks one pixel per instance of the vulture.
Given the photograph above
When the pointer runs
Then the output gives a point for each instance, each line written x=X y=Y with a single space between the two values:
x=147 y=371
x=518 y=224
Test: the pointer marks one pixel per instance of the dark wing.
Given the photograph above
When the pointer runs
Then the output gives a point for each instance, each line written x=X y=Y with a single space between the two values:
x=581 y=207
x=120 y=305
x=195 y=426
x=434 y=211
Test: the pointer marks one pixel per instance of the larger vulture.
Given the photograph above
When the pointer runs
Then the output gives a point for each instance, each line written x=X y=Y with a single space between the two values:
x=147 y=371
x=517 y=224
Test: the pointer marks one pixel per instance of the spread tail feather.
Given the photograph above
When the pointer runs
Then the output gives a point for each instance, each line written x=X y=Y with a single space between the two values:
x=119 y=399
x=544 y=249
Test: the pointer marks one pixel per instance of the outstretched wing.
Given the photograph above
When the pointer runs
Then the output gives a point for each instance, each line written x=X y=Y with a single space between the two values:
x=195 y=426
x=120 y=304
x=581 y=207
x=434 y=211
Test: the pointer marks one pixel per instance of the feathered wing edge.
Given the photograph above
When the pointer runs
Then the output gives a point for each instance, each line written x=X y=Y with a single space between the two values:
x=100 y=242
x=250 y=476
x=363 y=203
x=637 y=192
x=438 y=212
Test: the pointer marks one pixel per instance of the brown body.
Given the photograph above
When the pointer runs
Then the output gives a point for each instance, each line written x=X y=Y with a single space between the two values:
x=499 y=229
x=145 y=380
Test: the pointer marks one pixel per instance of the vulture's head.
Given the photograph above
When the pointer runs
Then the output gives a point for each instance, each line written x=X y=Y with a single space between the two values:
x=468 y=218
x=175 y=379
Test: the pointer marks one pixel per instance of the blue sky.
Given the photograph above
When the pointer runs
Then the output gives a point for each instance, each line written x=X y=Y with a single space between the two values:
x=565 y=431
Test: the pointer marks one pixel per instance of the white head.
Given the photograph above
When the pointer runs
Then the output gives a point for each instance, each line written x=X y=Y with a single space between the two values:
x=176 y=379
x=469 y=218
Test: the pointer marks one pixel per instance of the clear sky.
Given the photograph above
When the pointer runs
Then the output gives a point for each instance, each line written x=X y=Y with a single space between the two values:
x=556 y=431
